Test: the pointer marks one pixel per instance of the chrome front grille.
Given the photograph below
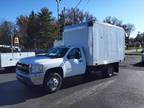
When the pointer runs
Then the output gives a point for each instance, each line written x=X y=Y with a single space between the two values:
x=23 y=67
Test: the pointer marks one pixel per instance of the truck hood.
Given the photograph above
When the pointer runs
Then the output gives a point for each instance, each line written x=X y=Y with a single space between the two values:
x=40 y=60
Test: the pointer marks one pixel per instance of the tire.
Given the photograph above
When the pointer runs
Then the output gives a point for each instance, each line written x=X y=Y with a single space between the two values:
x=52 y=82
x=108 y=71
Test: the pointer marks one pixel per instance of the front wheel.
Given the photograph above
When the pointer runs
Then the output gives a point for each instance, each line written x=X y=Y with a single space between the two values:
x=52 y=82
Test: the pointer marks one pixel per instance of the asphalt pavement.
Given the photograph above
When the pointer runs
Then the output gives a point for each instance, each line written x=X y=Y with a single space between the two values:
x=124 y=90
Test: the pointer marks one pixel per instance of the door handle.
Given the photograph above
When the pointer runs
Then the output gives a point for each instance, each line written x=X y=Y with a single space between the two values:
x=80 y=60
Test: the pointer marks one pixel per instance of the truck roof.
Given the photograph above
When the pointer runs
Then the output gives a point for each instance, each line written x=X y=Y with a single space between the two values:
x=68 y=46
x=87 y=24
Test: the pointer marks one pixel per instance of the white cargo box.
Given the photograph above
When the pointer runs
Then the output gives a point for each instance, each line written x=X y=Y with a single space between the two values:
x=10 y=59
x=102 y=43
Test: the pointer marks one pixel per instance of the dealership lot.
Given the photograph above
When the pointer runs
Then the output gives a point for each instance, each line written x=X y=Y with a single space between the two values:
x=125 y=90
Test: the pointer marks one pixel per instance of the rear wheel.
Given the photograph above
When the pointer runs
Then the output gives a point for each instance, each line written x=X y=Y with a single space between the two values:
x=52 y=82
x=108 y=71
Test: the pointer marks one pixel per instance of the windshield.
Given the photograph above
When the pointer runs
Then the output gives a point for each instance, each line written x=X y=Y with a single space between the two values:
x=57 y=52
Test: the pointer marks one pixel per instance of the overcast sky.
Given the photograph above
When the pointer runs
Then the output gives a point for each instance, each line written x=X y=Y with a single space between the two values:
x=129 y=11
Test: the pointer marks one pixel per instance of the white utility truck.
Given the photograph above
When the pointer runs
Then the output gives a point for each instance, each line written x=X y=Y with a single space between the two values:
x=87 y=47
x=10 y=58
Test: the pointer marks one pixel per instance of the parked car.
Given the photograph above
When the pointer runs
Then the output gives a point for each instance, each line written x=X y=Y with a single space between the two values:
x=87 y=47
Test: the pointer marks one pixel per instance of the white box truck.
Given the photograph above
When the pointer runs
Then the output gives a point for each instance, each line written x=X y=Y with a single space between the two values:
x=87 y=47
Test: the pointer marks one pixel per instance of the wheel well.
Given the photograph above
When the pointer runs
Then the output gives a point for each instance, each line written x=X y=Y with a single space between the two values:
x=59 y=70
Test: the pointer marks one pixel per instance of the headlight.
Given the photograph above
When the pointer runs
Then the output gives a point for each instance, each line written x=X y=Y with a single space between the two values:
x=39 y=68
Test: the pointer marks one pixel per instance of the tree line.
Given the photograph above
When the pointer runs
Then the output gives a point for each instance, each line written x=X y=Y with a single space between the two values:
x=138 y=41
x=39 y=30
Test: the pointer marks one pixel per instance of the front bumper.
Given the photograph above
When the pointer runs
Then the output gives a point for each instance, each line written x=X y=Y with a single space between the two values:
x=30 y=79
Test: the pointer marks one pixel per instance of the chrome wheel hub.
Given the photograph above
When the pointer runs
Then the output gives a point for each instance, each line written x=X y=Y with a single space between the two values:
x=53 y=83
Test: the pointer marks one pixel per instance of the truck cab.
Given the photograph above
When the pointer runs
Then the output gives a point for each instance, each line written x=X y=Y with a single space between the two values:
x=49 y=69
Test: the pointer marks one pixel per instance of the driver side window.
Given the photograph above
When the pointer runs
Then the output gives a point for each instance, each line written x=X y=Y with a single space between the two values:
x=74 y=54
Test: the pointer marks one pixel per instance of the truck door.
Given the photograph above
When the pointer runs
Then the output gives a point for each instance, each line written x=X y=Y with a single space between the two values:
x=75 y=63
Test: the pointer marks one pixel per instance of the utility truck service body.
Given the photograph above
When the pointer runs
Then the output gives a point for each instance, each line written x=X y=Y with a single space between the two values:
x=11 y=59
x=10 y=55
x=87 y=47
